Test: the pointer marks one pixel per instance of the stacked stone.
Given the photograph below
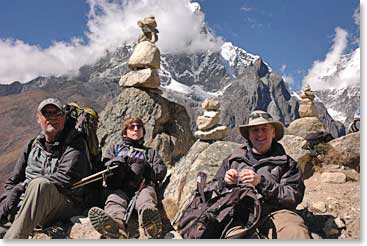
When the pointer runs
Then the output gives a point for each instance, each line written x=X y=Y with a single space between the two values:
x=145 y=60
x=208 y=126
x=307 y=107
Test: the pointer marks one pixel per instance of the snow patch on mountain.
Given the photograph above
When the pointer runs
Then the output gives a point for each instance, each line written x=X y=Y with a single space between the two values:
x=337 y=115
x=234 y=57
x=178 y=87
x=192 y=91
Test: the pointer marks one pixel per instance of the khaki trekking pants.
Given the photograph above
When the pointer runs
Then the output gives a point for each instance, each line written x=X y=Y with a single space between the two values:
x=117 y=202
x=284 y=224
x=42 y=204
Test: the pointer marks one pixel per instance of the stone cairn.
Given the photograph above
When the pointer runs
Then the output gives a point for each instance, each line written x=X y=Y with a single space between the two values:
x=307 y=107
x=208 y=126
x=145 y=59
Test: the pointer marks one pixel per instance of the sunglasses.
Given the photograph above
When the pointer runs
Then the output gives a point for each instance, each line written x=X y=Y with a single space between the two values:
x=132 y=127
x=52 y=113
x=258 y=115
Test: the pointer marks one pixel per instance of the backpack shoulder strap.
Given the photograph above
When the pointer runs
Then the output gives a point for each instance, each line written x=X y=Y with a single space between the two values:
x=200 y=184
x=116 y=150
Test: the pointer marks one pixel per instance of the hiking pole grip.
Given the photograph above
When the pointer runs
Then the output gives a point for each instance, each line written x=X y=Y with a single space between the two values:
x=92 y=178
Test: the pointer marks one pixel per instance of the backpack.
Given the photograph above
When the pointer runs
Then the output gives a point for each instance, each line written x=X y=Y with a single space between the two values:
x=210 y=214
x=84 y=121
x=316 y=137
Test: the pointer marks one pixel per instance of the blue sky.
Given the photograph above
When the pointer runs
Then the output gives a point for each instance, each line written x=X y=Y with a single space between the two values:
x=290 y=35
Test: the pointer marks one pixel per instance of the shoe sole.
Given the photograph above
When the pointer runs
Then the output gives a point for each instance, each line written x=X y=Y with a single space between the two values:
x=103 y=223
x=151 y=222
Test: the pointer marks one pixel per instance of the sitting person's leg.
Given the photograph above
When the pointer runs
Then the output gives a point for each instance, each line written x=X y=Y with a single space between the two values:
x=110 y=220
x=285 y=224
x=42 y=203
x=149 y=216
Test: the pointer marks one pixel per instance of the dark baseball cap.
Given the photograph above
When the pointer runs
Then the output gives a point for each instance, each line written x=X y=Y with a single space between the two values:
x=50 y=101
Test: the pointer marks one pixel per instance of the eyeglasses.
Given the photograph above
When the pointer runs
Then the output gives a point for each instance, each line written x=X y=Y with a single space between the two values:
x=52 y=113
x=132 y=127
x=258 y=115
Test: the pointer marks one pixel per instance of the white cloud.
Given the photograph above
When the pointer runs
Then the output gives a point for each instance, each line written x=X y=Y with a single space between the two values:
x=283 y=67
x=356 y=16
x=246 y=8
x=288 y=78
x=110 y=24
x=338 y=70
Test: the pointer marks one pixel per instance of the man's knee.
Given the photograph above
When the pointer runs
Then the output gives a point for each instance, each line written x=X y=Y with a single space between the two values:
x=289 y=225
x=39 y=183
x=43 y=188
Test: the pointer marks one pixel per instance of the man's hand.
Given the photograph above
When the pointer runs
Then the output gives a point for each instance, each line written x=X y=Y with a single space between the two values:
x=249 y=176
x=231 y=176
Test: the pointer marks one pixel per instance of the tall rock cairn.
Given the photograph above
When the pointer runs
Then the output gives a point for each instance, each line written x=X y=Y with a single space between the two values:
x=307 y=107
x=208 y=126
x=145 y=60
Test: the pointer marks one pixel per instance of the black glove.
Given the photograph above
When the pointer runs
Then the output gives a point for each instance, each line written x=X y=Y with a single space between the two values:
x=9 y=205
x=149 y=172
x=120 y=161
x=119 y=173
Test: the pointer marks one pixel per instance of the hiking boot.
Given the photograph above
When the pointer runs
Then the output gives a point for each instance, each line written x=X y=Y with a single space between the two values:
x=105 y=225
x=234 y=232
x=151 y=222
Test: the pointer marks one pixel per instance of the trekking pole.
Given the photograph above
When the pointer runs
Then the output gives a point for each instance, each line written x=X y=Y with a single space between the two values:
x=94 y=177
x=132 y=202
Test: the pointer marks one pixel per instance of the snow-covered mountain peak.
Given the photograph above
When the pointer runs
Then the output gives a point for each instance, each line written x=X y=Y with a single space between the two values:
x=234 y=57
x=235 y=54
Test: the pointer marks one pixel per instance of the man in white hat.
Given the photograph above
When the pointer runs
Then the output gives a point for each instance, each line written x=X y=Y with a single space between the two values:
x=276 y=176
x=44 y=174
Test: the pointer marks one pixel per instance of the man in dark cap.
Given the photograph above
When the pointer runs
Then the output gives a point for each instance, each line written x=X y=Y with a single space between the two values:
x=264 y=164
x=44 y=174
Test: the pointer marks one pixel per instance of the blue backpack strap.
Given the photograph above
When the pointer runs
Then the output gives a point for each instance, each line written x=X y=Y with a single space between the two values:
x=117 y=150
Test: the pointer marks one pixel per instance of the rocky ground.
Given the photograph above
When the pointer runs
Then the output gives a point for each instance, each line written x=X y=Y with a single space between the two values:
x=332 y=210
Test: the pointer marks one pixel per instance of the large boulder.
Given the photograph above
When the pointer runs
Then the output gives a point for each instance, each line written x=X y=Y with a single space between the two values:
x=293 y=147
x=300 y=127
x=201 y=157
x=145 y=55
x=147 y=78
x=344 y=151
x=167 y=124
x=307 y=109
x=216 y=133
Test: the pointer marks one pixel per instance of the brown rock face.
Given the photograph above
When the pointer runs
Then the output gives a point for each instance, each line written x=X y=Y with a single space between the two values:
x=300 y=127
x=344 y=151
x=145 y=55
x=166 y=123
x=217 y=133
x=292 y=145
x=146 y=78
x=201 y=157
x=205 y=123
x=210 y=104
x=307 y=110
